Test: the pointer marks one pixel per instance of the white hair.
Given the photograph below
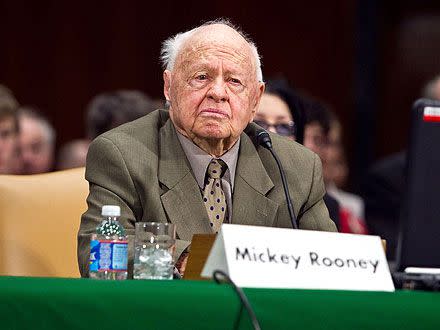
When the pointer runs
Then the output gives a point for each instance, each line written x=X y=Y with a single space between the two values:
x=172 y=46
x=35 y=114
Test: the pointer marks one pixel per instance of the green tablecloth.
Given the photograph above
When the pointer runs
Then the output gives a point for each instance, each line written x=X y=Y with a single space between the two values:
x=51 y=303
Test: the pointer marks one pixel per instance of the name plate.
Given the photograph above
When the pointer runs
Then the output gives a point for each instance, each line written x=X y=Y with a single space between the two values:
x=266 y=257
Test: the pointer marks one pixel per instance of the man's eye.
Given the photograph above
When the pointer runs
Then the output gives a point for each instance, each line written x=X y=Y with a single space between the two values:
x=199 y=80
x=235 y=81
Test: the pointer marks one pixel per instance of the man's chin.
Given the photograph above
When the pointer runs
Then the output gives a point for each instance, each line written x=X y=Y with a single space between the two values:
x=211 y=130
x=212 y=133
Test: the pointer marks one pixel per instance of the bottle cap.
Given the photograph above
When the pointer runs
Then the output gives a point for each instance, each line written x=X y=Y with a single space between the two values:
x=111 y=210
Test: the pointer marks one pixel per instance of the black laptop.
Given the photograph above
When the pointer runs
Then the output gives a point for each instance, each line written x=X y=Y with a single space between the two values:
x=418 y=252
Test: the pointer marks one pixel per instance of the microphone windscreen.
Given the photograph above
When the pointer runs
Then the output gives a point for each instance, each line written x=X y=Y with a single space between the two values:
x=263 y=138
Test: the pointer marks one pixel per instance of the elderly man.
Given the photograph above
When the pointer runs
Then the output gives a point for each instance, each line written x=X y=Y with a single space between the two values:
x=37 y=142
x=168 y=165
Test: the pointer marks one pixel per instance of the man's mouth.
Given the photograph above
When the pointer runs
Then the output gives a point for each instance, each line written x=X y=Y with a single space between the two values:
x=216 y=113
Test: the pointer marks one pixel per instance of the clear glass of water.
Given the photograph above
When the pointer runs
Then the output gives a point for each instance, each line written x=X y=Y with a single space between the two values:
x=154 y=250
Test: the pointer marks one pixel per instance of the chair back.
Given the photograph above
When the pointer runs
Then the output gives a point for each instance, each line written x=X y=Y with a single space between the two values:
x=39 y=221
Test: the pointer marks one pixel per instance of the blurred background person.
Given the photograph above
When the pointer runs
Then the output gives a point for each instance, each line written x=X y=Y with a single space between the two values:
x=432 y=89
x=322 y=134
x=104 y=112
x=316 y=130
x=37 y=141
x=382 y=190
x=351 y=213
x=109 y=110
x=72 y=154
x=274 y=116
x=280 y=110
x=9 y=162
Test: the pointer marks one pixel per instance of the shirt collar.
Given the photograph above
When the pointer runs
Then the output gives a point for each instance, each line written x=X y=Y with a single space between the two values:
x=199 y=160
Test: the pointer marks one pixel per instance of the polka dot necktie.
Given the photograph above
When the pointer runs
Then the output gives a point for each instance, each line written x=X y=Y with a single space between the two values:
x=213 y=195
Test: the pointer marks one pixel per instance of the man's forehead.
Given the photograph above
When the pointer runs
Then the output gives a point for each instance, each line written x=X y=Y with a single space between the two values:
x=208 y=55
x=216 y=40
x=217 y=33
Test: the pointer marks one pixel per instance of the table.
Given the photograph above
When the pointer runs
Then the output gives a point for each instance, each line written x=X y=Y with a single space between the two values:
x=58 y=303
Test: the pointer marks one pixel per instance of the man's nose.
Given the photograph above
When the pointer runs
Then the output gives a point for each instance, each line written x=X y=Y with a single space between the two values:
x=218 y=92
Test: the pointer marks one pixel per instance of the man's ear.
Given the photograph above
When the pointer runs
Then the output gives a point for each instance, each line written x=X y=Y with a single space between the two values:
x=167 y=84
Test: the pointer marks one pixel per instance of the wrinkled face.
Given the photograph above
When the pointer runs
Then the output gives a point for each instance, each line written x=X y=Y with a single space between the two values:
x=274 y=115
x=36 y=151
x=213 y=89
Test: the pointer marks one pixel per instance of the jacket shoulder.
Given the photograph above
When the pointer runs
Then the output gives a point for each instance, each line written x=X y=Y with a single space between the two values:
x=289 y=149
x=143 y=131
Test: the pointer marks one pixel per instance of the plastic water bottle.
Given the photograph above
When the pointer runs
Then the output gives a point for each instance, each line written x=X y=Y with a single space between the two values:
x=108 y=247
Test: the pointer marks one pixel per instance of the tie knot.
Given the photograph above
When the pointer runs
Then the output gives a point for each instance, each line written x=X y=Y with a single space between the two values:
x=216 y=168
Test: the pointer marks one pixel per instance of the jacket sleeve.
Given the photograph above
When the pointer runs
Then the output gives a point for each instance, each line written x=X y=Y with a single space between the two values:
x=110 y=182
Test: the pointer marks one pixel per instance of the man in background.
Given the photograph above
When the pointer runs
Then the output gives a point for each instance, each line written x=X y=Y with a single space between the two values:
x=316 y=137
x=73 y=154
x=104 y=112
x=37 y=141
x=111 y=109
x=432 y=89
x=351 y=213
x=9 y=162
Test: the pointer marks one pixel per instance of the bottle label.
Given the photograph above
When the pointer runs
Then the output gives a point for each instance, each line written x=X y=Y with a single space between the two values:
x=108 y=255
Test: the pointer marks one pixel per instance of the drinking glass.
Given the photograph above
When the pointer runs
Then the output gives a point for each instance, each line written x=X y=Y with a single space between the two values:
x=154 y=250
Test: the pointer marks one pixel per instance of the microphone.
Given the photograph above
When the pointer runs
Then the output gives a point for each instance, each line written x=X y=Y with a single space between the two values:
x=263 y=139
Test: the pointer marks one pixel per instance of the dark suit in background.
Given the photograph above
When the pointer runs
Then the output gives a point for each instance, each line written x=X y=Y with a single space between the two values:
x=383 y=190
x=333 y=209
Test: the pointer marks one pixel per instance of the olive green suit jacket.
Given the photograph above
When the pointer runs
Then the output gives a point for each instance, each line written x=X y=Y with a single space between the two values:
x=142 y=167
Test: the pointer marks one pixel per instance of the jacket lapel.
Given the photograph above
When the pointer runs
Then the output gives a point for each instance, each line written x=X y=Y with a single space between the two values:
x=181 y=197
x=250 y=205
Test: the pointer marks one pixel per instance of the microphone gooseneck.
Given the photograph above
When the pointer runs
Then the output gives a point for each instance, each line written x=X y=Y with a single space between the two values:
x=264 y=140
